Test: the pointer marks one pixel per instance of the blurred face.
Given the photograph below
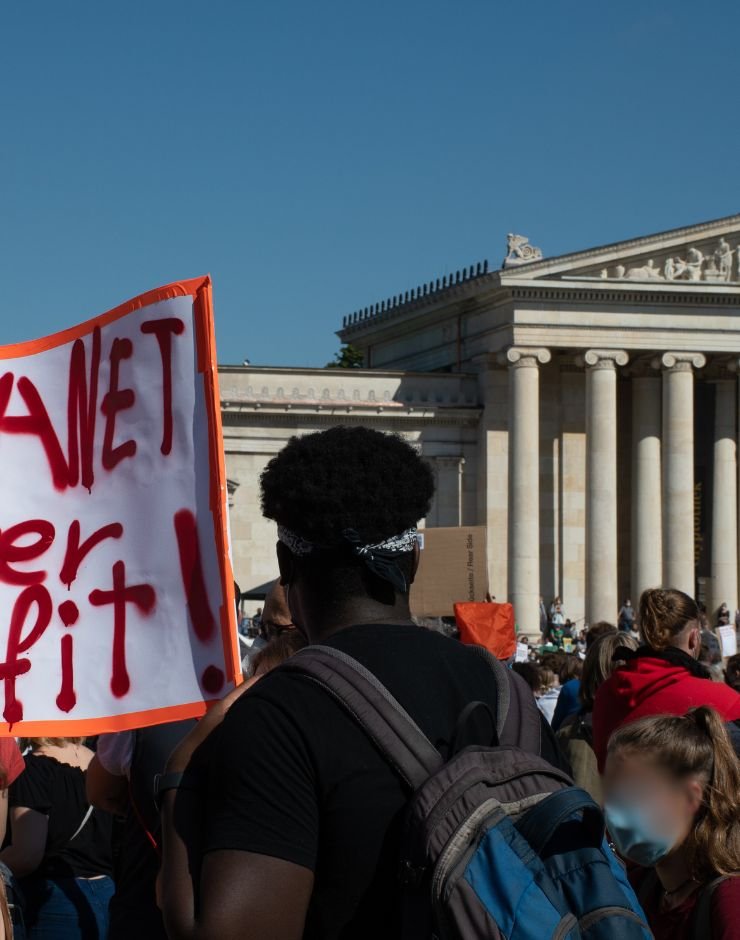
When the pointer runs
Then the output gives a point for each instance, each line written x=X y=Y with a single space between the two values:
x=649 y=812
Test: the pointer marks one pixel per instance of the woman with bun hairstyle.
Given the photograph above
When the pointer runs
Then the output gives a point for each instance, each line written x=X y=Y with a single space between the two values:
x=671 y=788
x=662 y=677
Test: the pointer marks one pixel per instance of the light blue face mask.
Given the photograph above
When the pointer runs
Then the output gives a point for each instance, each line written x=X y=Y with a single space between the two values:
x=634 y=837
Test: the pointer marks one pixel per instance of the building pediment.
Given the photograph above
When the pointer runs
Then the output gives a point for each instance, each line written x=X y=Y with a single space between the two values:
x=701 y=254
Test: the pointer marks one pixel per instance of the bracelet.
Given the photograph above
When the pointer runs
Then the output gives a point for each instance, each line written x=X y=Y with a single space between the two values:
x=184 y=780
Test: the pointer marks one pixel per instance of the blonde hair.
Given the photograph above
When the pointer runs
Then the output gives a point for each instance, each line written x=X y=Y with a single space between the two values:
x=51 y=742
x=664 y=614
x=696 y=744
x=599 y=664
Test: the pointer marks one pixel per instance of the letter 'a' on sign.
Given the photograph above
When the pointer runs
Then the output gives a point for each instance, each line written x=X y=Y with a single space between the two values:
x=116 y=591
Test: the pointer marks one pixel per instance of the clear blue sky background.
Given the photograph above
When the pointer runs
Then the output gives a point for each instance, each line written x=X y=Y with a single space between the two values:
x=317 y=157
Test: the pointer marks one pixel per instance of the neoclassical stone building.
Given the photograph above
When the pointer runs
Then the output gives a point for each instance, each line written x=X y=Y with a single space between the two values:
x=582 y=407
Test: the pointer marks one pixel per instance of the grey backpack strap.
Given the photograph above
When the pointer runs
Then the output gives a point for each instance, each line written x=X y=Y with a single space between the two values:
x=517 y=716
x=701 y=925
x=382 y=718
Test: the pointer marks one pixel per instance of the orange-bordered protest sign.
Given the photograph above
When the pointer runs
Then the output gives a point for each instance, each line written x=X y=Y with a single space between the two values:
x=116 y=591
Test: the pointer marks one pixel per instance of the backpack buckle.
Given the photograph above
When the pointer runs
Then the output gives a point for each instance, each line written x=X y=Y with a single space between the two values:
x=410 y=876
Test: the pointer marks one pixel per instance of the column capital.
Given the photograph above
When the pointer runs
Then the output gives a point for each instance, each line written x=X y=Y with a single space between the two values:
x=449 y=463
x=680 y=361
x=525 y=356
x=603 y=358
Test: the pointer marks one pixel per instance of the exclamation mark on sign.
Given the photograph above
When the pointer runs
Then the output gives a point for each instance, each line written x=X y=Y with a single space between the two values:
x=193 y=579
x=67 y=698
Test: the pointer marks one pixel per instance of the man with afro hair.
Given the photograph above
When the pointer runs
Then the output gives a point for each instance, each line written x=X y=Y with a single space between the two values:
x=302 y=815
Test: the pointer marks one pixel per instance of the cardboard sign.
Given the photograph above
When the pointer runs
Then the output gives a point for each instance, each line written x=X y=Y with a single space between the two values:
x=728 y=640
x=452 y=568
x=116 y=592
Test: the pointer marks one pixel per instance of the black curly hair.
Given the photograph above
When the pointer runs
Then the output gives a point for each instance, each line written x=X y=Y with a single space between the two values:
x=347 y=478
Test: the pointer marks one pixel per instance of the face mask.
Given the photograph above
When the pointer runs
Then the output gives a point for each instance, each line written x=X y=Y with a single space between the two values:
x=634 y=837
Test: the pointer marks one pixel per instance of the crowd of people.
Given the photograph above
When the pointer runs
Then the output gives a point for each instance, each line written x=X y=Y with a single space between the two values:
x=277 y=817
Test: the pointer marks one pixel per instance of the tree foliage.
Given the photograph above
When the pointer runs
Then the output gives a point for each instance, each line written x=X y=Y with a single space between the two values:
x=348 y=357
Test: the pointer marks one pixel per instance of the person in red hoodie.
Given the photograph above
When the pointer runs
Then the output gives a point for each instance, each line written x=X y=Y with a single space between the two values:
x=663 y=677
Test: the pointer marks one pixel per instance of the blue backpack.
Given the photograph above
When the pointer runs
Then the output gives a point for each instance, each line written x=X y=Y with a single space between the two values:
x=497 y=842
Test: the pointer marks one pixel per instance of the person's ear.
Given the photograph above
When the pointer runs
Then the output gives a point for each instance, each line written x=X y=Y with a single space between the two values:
x=695 y=642
x=415 y=561
x=286 y=563
x=694 y=794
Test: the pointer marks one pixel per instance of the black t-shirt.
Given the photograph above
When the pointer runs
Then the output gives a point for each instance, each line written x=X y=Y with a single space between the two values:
x=58 y=791
x=294 y=777
x=133 y=908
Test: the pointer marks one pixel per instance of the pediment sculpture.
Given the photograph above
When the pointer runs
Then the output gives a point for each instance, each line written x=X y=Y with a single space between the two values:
x=720 y=266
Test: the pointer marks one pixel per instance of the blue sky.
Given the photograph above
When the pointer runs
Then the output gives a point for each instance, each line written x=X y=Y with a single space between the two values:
x=318 y=157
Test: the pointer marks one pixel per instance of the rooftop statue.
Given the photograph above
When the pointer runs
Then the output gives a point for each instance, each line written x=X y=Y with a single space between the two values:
x=519 y=251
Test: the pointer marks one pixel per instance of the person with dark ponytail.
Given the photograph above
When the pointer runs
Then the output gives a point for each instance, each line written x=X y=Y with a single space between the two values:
x=662 y=677
x=671 y=790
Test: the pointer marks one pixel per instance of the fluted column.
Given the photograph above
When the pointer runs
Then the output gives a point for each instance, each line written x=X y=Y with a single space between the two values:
x=678 y=469
x=724 y=497
x=601 y=482
x=524 y=483
x=449 y=490
x=647 y=522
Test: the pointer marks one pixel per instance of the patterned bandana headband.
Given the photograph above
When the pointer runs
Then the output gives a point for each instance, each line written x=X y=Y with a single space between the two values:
x=380 y=558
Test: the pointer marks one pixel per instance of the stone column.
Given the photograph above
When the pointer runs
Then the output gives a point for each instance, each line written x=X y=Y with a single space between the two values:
x=602 y=602
x=678 y=469
x=449 y=490
x=647 y=531
x=724 y=497
x=524 y=483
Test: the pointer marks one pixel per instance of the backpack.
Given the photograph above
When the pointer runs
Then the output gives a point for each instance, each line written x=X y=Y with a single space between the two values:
x=700 y=927
x=497 y=844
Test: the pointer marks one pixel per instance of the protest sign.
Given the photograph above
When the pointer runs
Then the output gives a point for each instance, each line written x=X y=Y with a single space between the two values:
x=116 y=592
x=728 y=640
x=452 y=567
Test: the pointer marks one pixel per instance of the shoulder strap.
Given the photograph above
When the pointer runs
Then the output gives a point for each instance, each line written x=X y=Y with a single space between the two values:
x=541 y=822
x=517 y=716
x=701 y=925
x=388 y=725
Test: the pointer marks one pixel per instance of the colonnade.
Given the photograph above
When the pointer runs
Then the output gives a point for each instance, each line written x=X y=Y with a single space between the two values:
x=662 y=461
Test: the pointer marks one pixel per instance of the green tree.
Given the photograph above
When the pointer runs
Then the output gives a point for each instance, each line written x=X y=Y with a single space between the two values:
x=348 y=357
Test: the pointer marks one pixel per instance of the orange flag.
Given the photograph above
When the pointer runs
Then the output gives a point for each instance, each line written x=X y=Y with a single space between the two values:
x=488 y=625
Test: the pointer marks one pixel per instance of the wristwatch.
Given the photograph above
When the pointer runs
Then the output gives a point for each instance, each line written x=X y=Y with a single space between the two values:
x=182 y=780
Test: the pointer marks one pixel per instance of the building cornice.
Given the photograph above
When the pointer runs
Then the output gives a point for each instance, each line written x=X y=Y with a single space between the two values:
x=643 y=244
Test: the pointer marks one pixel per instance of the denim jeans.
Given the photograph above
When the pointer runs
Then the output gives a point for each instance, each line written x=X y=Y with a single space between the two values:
x=67 y=908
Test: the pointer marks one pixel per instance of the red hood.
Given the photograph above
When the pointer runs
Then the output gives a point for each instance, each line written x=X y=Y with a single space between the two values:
x=644 y=677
